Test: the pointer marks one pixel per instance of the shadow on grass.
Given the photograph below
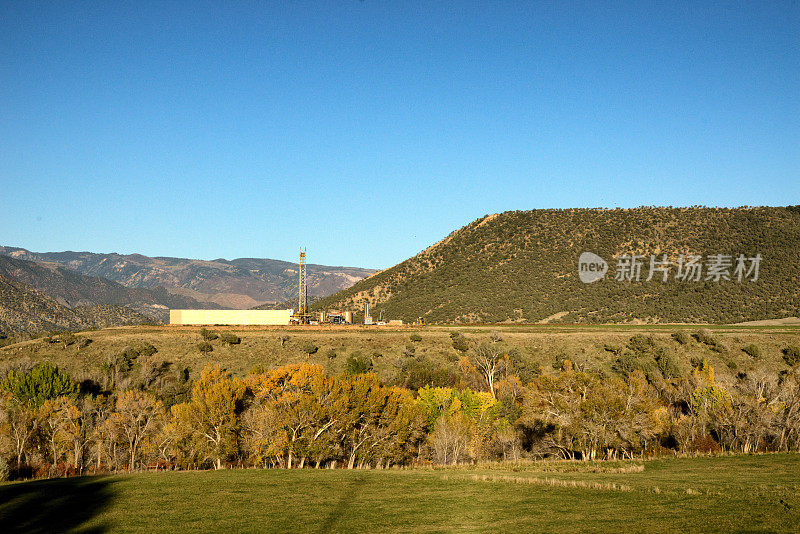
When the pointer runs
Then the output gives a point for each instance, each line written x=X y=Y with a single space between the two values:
x=349 y=494
x=55 y=505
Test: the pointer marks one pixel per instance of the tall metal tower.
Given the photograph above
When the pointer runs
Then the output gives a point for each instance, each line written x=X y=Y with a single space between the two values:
x=303 y=316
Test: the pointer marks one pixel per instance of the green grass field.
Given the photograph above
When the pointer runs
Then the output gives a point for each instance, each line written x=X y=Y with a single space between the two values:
x=719 y=494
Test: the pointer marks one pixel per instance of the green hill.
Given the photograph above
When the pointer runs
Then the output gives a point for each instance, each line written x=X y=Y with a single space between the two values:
x=522 y=266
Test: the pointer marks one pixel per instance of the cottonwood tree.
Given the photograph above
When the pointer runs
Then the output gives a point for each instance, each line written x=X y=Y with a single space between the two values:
x=509 y=441
x=165 y=440
x=451 y=437
x=403 y=422
x=358 y=404
x=58 y=422
x=264 y=439
x=83 y=428
x=300 y=396
x=110 y=444
x=189 y=444
x=390 y=428
x=21 y=422
x=490 y=359
x=458 y=415
x=788 y=421
x=137 y=416
x=552 y=409
x=213 y=412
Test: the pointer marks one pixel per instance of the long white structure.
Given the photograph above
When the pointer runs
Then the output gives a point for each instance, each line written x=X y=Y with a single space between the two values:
x=237 y=317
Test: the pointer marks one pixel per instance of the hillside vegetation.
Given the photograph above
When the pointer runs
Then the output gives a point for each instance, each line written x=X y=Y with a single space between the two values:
x=396 y=359
x=522 y=266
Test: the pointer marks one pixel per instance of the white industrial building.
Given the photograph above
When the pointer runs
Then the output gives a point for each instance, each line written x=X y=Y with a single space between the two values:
x=230 y=317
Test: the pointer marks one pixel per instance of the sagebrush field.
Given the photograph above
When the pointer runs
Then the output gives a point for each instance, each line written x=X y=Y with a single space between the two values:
x=591 y=347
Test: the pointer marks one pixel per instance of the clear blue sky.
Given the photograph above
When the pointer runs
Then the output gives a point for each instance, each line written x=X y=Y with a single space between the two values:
x=368 y=130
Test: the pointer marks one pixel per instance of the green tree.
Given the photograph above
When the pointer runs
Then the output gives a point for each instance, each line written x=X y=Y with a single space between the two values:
x=66 y=339
x=309 y=348
x=460 y=343
x=681 y=337
x=230 y=338
x=357 y=363
x=43 y=382
x=752 y=350
x=208 y=335
x=791 y=355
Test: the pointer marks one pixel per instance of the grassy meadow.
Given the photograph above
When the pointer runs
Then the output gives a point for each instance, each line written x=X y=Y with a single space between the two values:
x=704 y=494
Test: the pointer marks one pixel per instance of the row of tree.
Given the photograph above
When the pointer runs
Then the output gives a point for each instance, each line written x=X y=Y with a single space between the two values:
x=297 y=416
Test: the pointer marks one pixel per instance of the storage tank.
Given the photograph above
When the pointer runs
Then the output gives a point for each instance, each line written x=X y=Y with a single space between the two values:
x=348 y=317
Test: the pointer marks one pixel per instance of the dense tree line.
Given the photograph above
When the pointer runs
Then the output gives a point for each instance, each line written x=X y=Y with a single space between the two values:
x=297 y=416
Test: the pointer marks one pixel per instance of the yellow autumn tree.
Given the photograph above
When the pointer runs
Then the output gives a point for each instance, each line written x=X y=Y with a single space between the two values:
x=291 y=410
x=58 y=423
x=212 y=414
x=137 y=417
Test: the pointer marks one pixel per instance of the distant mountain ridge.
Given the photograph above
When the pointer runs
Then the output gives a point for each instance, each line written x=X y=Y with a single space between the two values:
x=73 y=290
x=522 y=266
x=240 y=283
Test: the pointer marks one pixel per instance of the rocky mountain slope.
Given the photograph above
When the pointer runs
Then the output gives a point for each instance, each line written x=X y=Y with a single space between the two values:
x=240 y=283
x=523 y=266
x=72 y=290
x=24 y=309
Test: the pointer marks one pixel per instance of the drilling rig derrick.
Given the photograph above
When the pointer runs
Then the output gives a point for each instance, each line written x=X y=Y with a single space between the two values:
x=303 y=314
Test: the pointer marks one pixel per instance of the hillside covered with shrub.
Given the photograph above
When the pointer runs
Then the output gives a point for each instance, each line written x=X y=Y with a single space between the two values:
x=522 y=266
